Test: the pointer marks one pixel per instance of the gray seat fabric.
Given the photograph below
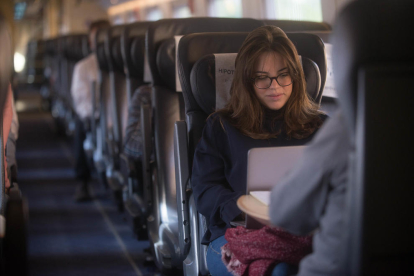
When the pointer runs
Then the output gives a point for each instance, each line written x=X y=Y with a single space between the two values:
x=301 y=26
x=374 y=69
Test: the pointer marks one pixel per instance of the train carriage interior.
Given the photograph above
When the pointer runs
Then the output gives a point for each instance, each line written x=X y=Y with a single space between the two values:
x=128 y=128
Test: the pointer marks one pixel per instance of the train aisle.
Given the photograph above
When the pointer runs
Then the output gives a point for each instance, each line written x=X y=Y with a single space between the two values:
x=68 y=238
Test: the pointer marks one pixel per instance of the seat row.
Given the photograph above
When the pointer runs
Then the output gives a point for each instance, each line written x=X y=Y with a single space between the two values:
x=182 y=97
x=181 y=61
x=373 y=57
x=13 y=208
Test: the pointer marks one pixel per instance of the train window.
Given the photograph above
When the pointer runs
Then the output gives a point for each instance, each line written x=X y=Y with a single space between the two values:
x=225 y=8
x=19 y=61
x=154 y=14
x=303 y=10
x=181 y=11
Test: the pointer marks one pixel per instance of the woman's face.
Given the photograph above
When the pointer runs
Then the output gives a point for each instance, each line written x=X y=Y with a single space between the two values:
x=271 y=65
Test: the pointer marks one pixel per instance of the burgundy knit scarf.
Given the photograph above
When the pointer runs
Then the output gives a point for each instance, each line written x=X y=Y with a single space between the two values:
x=256 y=252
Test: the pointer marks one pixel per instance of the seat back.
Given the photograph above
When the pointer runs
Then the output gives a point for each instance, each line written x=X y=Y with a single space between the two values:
x=6 y=64
x=133 y=54
x=168 y=107
x=6 y=69
x=298 y=26
x=101 y=107
x=205 y=88
x=117 y=86
x=52 y=62
x=374 y=69
x=74 y=48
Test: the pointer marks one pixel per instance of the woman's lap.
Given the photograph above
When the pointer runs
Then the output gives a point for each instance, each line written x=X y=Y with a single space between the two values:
x=214 y=263
x=217 y=268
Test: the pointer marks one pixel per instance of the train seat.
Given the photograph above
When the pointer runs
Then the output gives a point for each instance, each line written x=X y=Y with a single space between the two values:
x=118 y=102
x=205 y=89
x=133 y=54
x=74 y=48
x=13 y=208
x=133 y=51
x=168 y=107
x=374 y=68
x=298 y=26
x=101 y=123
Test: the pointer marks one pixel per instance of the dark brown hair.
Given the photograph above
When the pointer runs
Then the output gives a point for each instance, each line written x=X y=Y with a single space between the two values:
x=244 y=110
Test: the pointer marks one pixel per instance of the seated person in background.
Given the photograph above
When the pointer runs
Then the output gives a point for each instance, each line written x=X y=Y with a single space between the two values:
x=133 y=136
x=7 y=121
x=312 y=196
x=269 y=107
x=11 y=145
x=84 y=74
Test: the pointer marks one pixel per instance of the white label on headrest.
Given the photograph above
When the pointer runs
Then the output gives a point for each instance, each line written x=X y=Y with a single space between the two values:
x=329 y=89
x=147 y=71
x=177 y=79
x=224 y=77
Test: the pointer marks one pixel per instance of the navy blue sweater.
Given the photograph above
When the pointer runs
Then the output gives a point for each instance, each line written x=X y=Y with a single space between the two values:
x=220 y=171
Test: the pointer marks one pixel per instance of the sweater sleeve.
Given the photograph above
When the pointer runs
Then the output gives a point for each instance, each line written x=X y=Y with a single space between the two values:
x=298 y=201
x=213 y=195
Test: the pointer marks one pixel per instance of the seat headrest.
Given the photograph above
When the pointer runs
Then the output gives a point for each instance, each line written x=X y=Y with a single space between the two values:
x=51 y=47
x=75 y=47
x=113 y=48
x=166 y=63
x=133 y=48
x=195 y=46
x=6 y=61
x=212 y=76
x=369 y=32
x=311 y=46
x=101 y=57
x=100 y=49
x=298 y=26
x=164 y=29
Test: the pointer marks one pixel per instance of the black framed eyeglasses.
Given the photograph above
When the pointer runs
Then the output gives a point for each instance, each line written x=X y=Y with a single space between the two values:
x=264 y=82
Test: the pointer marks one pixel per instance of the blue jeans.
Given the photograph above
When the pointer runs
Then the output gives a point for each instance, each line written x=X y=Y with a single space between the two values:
x=284 y=269
x=217 y=268
x=214 y=263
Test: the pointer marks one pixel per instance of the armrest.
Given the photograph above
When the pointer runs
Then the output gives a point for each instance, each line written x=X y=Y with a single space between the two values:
x=182 y=175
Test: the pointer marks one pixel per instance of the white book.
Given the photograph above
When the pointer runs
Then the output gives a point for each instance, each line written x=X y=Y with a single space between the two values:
x=262 y=196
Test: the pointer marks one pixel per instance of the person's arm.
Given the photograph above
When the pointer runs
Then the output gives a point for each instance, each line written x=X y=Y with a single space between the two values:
x=214 y=197
x=298 y=201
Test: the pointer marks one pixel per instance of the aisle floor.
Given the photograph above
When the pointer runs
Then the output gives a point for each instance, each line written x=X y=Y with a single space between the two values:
x=65 y=237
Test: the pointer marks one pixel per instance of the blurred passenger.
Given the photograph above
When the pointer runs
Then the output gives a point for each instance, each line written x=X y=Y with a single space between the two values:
x=84 y=74
x=133 y=146
x=11 y=145
x=312 y=197
x=7 y=121
x=269 y=107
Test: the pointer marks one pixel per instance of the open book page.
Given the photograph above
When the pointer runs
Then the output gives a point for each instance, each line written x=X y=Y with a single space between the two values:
x=262 y=196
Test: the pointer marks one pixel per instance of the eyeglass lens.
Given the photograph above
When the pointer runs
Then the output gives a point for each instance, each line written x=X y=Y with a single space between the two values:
x=266 y=82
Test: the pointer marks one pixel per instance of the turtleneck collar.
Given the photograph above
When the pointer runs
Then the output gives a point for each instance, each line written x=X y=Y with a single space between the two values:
x=273 y=120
